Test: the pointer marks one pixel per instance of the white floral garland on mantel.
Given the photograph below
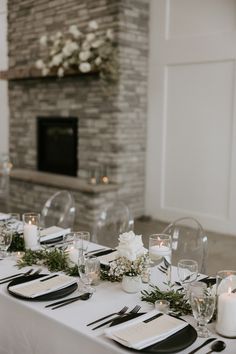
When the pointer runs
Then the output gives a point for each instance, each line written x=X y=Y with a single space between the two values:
x=94 y=51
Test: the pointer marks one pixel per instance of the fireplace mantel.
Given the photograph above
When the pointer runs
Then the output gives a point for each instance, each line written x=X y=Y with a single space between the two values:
x=61 y=181
x=27 y=73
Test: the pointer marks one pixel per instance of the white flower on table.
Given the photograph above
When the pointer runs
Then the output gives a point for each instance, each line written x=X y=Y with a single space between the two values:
x=131 y=246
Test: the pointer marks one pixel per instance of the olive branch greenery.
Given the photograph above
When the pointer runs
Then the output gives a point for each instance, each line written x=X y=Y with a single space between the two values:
x=55 y=260
x=179 y=306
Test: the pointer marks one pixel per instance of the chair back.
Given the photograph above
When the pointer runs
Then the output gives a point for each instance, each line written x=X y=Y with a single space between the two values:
x=5 y=169
x=59 y=210
x=188 y=241
x=113 y=220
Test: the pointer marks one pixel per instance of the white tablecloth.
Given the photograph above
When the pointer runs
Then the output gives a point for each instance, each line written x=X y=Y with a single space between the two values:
x=29 y=328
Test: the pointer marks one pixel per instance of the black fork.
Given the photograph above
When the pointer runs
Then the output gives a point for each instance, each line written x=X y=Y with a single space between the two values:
x=119 y=313
x=133 y=311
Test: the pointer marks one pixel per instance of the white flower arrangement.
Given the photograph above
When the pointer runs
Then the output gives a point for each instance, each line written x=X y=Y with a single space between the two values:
x=132 y=260
x=80 y=52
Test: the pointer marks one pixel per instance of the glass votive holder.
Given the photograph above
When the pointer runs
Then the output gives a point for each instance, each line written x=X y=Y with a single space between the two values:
x=226 y=303
x=160 y=252
x=31 y=227
x=162 y=306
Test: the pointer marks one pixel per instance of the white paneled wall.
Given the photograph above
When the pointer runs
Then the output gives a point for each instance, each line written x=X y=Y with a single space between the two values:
x=4 y=112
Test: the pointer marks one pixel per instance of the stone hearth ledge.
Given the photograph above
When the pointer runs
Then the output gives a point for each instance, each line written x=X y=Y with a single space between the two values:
x=61 y=181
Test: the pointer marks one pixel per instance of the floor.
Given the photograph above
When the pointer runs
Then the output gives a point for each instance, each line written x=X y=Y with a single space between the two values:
x=221 y=248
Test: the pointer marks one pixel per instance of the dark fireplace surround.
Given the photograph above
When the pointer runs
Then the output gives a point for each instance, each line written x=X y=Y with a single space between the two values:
x=57 y=145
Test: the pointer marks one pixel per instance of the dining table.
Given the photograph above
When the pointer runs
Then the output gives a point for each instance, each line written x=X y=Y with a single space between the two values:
x=28 y=327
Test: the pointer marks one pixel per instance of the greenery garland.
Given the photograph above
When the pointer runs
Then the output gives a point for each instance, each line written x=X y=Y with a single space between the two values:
x=55 y=260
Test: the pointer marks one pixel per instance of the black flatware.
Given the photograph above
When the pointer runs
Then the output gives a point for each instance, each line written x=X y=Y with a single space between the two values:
x=14 y=276
x=52 y=276
x=217 y=346
x=64 y=302
x=208 y=341
x=133 y=311
x=119 y=313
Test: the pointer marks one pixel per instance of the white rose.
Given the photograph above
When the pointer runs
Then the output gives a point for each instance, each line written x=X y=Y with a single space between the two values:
x=130 y=246
x=84 y=67
x=39 y=64
x=84 y=56
x=57 y=59
x=93 y=25
x=98 y=61
x=60 y=72
x=43 y=40
x=73 y=29
x=110 y=34
x=85 y=45
x=90 y=37
x=69 y=48
x=97 y=43
x=58 y=35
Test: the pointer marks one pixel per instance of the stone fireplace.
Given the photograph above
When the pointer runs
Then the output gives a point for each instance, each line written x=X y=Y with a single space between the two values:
x=112 y=120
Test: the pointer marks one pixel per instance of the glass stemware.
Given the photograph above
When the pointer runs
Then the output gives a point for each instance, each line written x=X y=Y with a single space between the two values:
x=81 y=241
x=203 y=305
x=187 y=272
x=88 y=272
x=5 y=241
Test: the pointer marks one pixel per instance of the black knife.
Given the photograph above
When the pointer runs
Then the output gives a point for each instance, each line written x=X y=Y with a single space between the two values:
x=202 y=345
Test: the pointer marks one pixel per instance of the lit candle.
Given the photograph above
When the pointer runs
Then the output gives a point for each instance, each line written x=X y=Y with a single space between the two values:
x=162 y=306
x=159 y=251
x=30 y=235
x=226 y=314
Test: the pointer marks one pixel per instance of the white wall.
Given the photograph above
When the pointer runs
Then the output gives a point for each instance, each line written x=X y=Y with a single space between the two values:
x=4 y=111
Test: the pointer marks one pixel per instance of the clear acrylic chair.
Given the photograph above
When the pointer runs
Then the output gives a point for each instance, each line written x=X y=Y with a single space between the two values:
x=189 y=241
x=113 y=220
x=5 y=169
x=59 y=210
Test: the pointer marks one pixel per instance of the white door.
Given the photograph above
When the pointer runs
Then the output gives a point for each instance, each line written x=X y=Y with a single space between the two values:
x=4 y=113
x=191 y=152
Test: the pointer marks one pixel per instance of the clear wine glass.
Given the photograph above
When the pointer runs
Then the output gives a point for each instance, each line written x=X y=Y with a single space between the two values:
x=203 y=305
x=187 y=273
x=81 y=241
x=5 y=241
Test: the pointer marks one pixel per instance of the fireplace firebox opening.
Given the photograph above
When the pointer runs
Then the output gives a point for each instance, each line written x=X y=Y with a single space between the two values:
x=57 y=144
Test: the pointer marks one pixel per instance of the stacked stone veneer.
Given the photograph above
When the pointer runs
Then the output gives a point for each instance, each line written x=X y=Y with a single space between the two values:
x=112 y=122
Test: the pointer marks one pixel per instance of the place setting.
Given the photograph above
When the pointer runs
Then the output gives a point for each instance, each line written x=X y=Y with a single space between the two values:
x=74 y=271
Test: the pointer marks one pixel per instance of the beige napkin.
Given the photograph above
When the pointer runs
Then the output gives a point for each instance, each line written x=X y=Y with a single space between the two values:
x=107 y=258
x=38 y=287
x=138 y=334
x=52 y=232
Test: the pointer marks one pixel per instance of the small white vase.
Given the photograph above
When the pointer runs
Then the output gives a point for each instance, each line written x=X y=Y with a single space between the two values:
x=131 y=283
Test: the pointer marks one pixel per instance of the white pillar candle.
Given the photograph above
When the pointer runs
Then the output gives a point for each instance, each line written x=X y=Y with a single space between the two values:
x=226 y=314
x=30 y=235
